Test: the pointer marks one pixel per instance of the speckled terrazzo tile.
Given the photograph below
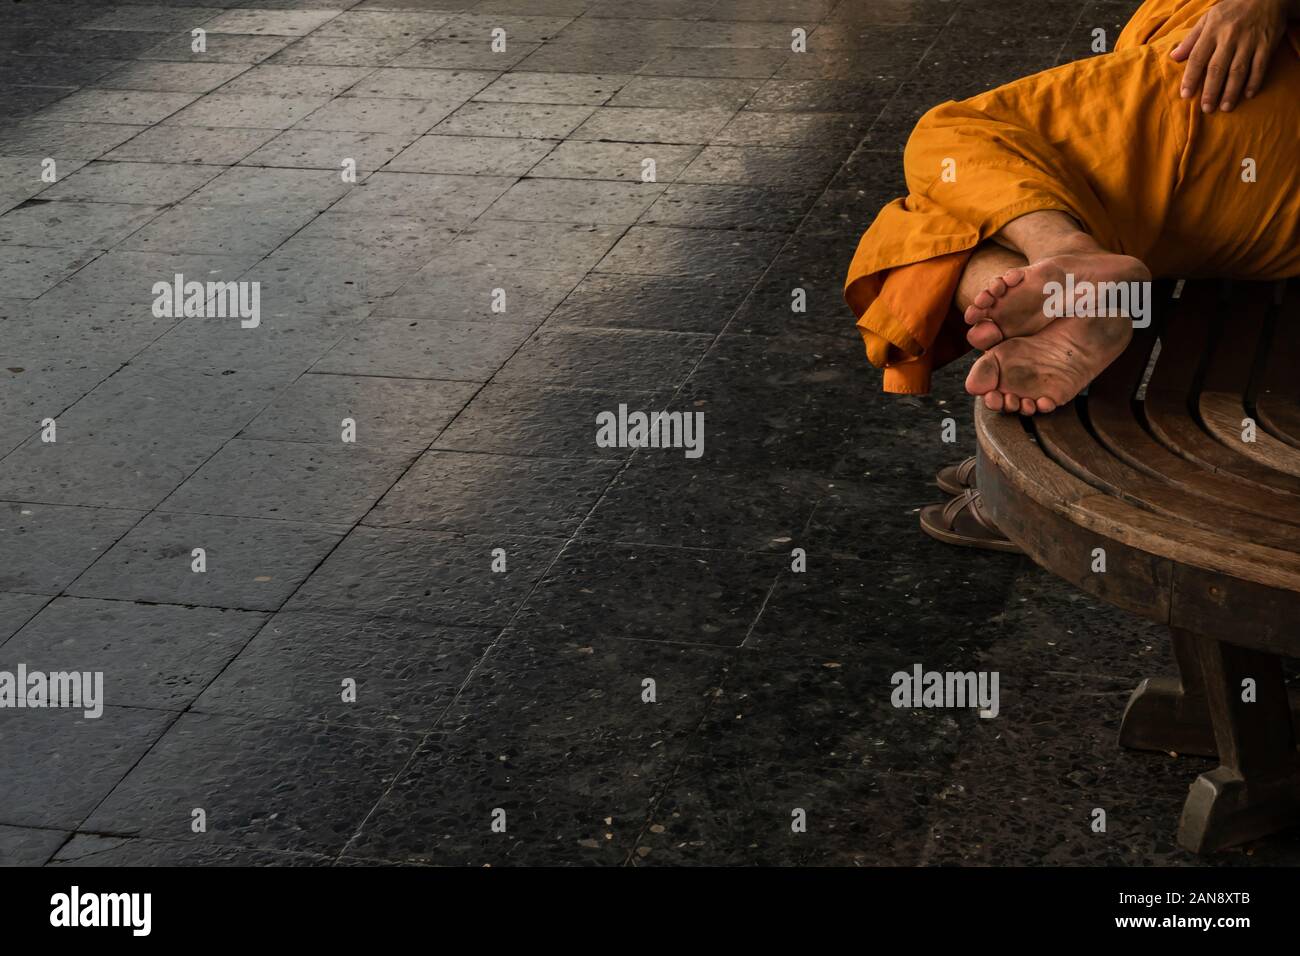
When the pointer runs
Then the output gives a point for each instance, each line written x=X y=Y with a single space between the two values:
x=220 y=229
x=835 y=605
x=70 y=141
x=1039 y=26
x=425 y=576
x=605 y=358
x=221 y=48
x=307 y=322
x=750 y=63
x=294 y=481
x=673 y=251
x=405 y=346
x=1026 y=784
x=720 y=813
x=45 y=547
x=91 y=849
x=404 y=673
x=61 y=764
x=84 y=225
x=557 y=732
x=575 y=89
x=616 y=161
x=67 y=72
x=249 y=563
x=151 y=655
x=27 y=271
x=1048 y=619
x=573 y=801
x=284 y=785
x=27 y=846
x=730 y=207
x=493 y=494
x=665 y=303
x=665 y=498
x=575 y=200
x=770 y=166
x=766 y=428
x=173 y=401
x=649 y=593
x=781 y=304
x=471 y=155
x=540 y=421
x=1082 y=42
x=17 y=609
x=386 y=411
x=824 y=363
x=832 y=712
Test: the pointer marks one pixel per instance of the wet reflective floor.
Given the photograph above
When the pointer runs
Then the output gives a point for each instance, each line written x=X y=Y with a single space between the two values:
x=361 y=544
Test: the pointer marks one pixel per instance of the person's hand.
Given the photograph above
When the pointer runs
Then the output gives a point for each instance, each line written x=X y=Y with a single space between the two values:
x=1228 y=50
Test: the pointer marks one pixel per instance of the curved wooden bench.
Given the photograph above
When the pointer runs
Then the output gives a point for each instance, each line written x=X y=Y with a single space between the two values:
x=1149 y=477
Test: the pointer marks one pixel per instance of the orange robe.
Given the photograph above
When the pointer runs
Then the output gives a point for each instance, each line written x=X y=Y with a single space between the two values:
x=1107 y=140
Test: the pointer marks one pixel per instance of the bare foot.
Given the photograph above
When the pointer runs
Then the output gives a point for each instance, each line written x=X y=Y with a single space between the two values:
x=1037 y=373
x=1013 y=304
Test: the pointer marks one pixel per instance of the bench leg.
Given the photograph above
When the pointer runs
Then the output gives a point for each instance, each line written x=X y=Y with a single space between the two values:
x=1256 y=788
x=1171 y=714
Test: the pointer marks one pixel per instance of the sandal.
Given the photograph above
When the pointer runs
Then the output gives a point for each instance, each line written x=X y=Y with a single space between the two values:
x=955 y=479
x=962 y=521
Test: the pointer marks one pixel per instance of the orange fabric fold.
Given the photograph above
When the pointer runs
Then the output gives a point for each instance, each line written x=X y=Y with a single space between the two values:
x=904 y=317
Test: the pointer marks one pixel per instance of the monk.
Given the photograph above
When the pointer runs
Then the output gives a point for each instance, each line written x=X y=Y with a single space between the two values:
x=1175 y=155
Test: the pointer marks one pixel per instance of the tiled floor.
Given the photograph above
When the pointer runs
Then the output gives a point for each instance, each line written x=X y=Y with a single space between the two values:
x=498 y=587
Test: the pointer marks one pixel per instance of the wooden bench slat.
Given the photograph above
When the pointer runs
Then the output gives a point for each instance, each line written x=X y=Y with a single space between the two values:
x=1242 y=345
x=1225 y=418
x=1064 y=437
x=1113 y=421
x=1170 y=391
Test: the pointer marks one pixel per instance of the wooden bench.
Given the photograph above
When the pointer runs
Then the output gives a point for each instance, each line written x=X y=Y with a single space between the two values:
x=1199 y=529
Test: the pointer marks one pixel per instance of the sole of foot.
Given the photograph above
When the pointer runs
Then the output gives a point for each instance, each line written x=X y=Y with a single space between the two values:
x=1013 y=303
x=1037 y=373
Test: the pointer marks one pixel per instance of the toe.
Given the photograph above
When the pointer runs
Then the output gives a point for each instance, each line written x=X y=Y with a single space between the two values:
x=983 y=376
x=993 y=401
x=1027 y=406
x=1046 y=405
x=998 y=288
x=1013 y=277
x=1010 y=403
x=984 y=335
x=973 y=315
x=985 y=299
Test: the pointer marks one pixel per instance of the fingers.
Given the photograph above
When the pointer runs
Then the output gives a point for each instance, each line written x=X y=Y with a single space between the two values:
x=1216 y=76
x=1258 y=67
x=1179 y=53
x=1238 y=73
x=1194 y=72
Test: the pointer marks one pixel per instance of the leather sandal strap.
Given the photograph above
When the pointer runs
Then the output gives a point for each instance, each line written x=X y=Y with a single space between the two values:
x=955 y=506
x=969 y=500
x=977 y=510
x=966 y=471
